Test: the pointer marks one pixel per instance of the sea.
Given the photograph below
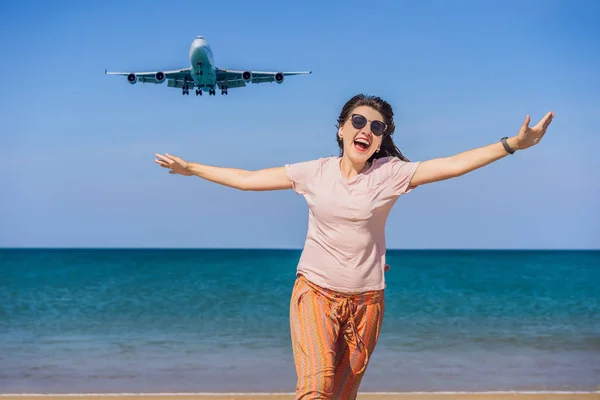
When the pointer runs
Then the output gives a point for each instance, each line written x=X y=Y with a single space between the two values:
x=217 y=320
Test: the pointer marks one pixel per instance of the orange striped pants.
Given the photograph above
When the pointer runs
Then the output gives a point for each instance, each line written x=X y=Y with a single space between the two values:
x=333 y=335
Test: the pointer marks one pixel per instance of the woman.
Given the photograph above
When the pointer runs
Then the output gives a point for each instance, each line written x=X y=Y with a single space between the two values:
x=337 y=303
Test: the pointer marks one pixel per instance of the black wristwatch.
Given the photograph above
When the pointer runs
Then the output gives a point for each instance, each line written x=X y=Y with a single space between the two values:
x=506 y=146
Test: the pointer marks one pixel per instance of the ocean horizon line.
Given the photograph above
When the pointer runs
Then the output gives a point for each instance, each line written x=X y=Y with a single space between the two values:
x=287 y=393
x=407 y=249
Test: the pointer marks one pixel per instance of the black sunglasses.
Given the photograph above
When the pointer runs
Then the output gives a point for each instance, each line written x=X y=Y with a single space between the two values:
x=377 y=127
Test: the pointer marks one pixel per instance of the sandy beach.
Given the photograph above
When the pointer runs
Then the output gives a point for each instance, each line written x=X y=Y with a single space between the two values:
x=366 y=396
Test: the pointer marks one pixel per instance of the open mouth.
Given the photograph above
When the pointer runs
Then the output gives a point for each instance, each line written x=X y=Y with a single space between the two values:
x=361 y=144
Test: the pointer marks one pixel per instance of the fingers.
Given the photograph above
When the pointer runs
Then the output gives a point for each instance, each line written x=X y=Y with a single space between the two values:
x=526 y=122
x=548 y=119
x=167 y=157
x=545 y=121
x=162 y=163
x=162 y=160
x=165 y=162
x=172 y=157
x=168 y=161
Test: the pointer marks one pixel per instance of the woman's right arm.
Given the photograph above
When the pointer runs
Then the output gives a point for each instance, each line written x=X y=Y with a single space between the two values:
x=259 y=180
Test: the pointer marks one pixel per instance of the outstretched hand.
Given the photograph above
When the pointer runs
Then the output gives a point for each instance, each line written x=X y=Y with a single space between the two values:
x=176 y=164
x=528 y=137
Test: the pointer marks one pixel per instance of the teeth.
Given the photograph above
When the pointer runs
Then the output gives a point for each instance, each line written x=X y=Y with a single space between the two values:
x=362 y=141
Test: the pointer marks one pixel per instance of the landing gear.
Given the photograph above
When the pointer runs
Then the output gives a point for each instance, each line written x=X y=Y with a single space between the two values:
x=186 y=89
x=199 y=65
x=212 y=91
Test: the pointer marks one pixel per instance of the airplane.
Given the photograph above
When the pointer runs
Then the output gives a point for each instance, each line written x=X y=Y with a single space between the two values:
x=203 y=74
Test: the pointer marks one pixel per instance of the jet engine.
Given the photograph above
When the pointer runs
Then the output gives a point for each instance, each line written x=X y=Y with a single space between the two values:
x=279 y=77
x=159 y=76
x=132 y=78
x=247 y=76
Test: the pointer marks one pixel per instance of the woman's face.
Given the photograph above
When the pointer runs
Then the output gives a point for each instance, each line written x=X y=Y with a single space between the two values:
x=359 y=140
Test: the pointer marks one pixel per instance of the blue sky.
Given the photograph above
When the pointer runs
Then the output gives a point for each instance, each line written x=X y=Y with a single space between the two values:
x=78 y=146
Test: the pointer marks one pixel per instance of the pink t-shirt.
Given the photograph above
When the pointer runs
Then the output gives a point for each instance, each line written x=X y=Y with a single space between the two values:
x=345 y=243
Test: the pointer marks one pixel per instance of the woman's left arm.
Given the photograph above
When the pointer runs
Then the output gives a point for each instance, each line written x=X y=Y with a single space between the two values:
x=439 y=169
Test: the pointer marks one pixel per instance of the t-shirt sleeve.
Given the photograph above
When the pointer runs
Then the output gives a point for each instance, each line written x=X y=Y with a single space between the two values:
x=401 y=172
x=303 y=174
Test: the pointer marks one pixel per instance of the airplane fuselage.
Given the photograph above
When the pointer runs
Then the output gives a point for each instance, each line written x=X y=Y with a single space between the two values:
x=203 y=64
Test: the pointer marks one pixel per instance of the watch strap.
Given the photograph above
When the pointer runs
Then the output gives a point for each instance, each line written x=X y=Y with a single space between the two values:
x=509 y=149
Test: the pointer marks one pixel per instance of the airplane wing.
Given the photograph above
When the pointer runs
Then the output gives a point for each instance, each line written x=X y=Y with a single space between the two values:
x=176 y=78
x=230 y=78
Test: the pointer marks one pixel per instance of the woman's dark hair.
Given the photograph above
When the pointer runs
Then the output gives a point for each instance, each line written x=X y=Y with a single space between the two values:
x=388 y=148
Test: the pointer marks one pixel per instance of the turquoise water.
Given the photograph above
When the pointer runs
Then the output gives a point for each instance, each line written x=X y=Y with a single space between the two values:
x=217 y=320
